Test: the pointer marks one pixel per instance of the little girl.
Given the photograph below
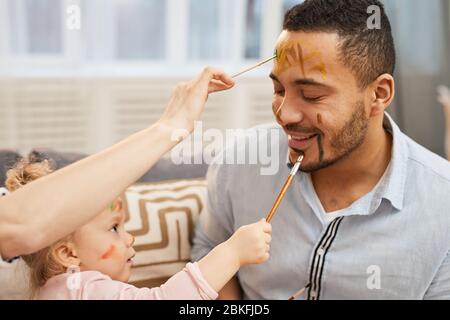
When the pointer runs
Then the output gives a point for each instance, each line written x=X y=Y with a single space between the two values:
x=102 y=252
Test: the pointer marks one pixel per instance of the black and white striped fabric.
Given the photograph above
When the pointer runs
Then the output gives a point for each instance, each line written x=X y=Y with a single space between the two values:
x=320 y=253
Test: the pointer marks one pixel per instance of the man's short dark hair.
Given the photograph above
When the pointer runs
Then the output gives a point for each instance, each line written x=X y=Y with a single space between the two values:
x=369 y=53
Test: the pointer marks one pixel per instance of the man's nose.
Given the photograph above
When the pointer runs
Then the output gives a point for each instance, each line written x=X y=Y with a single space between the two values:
x=289 y=112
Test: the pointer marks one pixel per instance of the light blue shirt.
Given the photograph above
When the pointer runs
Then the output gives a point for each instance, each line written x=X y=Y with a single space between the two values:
x=393 y=243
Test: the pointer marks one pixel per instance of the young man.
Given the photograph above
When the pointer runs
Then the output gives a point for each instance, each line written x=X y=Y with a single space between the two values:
x=368 y=217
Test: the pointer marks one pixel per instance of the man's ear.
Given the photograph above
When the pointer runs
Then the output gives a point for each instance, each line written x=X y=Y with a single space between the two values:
x=65 y=253
x=381 y=94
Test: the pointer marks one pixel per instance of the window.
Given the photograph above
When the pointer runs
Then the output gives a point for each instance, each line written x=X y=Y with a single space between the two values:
x=36 y=27
x=206 y=30
x=172 y=35
x=253 y=29
x=140 y=26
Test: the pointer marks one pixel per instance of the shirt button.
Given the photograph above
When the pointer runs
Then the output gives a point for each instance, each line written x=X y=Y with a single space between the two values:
x=320 y=252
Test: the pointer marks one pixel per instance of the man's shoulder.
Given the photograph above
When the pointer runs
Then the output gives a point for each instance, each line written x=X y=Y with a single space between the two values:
x=427 y=163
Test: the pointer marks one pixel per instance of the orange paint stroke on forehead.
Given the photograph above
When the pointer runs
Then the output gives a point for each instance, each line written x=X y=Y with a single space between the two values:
x=108 y=254
x=292 y=53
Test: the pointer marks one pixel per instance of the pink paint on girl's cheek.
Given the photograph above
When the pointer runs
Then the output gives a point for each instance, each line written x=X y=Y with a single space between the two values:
x=108 y=254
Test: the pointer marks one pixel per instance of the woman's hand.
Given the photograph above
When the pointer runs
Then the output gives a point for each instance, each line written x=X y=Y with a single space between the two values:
x=188 y=99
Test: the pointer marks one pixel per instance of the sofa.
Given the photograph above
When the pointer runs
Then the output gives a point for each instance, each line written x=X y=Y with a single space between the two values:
x=161 y=211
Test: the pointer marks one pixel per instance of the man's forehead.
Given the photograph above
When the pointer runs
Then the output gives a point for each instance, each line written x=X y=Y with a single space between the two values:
x=311 y=55
x=325 y=41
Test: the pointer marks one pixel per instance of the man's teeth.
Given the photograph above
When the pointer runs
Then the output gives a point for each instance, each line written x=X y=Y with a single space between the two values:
x=303 y=138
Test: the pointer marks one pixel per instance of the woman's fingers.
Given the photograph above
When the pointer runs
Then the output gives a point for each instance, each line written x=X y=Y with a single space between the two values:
x=214 y=80
x=188 y=99
x=221 y=81
x=217 y=85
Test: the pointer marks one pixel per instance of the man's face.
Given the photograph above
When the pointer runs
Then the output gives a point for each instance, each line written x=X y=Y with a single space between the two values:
x=317 y=100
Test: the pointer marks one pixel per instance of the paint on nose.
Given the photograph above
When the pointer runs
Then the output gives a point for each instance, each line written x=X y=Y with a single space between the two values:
x=108 y=254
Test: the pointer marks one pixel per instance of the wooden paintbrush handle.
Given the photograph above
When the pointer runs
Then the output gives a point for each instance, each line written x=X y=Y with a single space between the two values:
x=279 y=198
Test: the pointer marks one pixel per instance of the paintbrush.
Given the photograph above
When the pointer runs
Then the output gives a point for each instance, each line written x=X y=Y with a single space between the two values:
x=254 y=66
x=286 y=186
x=299 y=293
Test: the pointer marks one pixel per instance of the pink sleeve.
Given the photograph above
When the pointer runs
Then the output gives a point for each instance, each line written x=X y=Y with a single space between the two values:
x=187 y=284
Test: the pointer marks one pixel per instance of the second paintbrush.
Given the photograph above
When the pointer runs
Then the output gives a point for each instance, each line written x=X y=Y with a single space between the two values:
x=285 y=188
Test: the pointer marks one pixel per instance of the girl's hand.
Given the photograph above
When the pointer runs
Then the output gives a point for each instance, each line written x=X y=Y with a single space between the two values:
x=251 y=243
x=188 y=99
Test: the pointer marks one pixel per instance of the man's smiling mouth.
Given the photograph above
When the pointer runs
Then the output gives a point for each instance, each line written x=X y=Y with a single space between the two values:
x=302 y=137
x=301 y=141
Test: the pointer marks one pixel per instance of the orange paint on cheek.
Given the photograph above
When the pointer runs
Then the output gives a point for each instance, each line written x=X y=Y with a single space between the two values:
x=108 y=254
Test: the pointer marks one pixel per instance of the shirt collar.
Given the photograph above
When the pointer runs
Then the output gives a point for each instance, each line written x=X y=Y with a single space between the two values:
x=392 y=184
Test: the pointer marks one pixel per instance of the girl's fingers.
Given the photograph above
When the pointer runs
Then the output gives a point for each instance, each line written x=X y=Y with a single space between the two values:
x=267 y=227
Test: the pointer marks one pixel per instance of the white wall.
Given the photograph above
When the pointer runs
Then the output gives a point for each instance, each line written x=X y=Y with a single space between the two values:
x=89 y=114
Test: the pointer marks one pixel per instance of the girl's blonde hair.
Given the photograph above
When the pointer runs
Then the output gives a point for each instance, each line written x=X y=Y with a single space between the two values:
x=43 y=264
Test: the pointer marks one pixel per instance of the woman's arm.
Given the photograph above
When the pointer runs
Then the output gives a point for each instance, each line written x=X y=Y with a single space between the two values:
x=54 y=206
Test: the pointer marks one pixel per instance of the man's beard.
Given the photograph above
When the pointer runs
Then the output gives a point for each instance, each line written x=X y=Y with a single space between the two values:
x=343 y=143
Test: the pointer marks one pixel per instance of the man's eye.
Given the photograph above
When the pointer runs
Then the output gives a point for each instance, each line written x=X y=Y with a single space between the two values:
x=279 y=92
x=312 y=98
x=115 y=228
